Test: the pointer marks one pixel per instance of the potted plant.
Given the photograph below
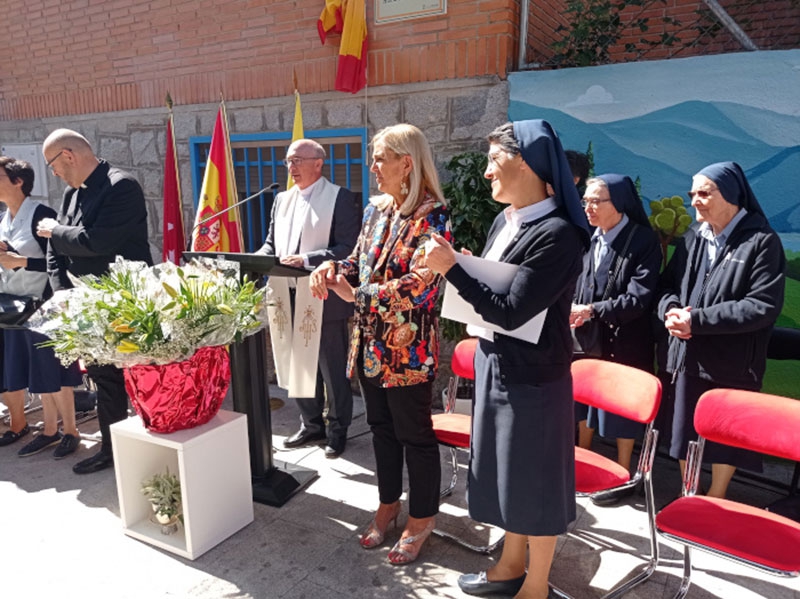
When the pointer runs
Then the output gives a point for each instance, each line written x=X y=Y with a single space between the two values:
x=163 y=491
x=167 y=326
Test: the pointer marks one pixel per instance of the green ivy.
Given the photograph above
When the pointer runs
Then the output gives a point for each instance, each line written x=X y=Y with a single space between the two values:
x=596 y=27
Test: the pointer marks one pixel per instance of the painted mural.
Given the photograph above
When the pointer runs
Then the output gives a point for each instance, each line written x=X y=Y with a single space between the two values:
x=663 y=121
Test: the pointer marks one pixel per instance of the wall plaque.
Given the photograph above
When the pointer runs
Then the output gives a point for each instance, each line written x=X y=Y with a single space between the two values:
x=387 y=11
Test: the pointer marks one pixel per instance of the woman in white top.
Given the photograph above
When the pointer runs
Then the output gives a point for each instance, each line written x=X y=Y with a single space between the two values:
x=26 y=366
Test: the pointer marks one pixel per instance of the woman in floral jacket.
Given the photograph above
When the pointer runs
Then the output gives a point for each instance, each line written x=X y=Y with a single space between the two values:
x=394 y=346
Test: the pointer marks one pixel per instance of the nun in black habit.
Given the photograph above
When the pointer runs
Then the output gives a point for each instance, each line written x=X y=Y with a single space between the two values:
x=615 y=294
x=721 y=294
x=522 y=469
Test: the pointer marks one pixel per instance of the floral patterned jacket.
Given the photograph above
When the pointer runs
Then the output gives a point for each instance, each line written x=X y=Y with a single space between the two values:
x=395 y=325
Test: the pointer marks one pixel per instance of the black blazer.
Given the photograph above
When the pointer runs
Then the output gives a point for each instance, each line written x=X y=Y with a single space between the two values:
x=345 y=227
x=110 y=220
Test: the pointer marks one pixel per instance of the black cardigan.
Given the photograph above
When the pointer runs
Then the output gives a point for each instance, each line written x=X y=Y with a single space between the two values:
x=549 y=251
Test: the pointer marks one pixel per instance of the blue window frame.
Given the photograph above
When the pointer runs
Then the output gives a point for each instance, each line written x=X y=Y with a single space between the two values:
x=258 y=162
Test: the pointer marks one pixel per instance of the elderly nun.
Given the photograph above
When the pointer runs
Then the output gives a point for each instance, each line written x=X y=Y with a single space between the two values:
x=614 y=298
x=722 y=292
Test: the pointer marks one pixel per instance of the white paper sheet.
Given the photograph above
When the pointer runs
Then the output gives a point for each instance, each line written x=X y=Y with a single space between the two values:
x=497 y=276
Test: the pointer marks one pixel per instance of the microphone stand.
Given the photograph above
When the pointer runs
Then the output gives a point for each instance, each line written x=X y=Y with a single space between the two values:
x=271 y=187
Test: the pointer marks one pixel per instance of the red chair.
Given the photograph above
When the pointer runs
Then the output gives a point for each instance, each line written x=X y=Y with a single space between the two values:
x=453 y=430
x=742 y=533
x=633 y=394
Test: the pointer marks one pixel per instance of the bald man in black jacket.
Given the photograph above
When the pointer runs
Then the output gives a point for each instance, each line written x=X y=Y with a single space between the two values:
x=103 y=215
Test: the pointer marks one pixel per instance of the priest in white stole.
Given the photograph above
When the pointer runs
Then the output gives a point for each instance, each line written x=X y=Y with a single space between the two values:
x=313 y=221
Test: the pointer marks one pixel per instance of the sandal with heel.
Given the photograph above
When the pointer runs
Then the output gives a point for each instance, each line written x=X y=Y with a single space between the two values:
x=404 y=551
x=373 y=536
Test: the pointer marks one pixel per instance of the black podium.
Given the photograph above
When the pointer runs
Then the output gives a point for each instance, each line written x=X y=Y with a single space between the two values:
x=274 y=483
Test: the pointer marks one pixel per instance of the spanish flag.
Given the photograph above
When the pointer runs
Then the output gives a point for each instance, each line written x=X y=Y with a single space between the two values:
x=174 y=244
x=222 y=233
x=347 y=17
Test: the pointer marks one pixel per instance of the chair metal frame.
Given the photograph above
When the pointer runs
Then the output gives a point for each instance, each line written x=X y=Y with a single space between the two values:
x=644 y=469
x=449 y=409
x=691 y=482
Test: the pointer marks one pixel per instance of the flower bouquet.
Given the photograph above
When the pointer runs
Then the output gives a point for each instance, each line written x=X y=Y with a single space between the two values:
x=167 y=326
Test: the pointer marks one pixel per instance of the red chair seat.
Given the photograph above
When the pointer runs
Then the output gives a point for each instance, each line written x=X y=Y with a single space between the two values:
x=452 y=429
x=743 y=531
x=594 y=472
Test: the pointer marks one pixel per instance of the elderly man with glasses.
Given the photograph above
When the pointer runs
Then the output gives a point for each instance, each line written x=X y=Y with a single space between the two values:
x=103 y=215
x=312 y=222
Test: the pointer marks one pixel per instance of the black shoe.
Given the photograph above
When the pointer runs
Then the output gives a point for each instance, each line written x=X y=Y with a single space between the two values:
x=478 y=584
x=99 y=461
x=613 y=497
x=334 y=450
x=302 y=437
x=39 y=443
x=67 y=446
x=10 y=437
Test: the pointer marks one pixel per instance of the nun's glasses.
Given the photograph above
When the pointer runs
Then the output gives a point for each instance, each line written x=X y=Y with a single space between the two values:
x=703 y=194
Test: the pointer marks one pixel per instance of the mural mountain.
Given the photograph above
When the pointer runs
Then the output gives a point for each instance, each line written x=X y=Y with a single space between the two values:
x=666 y=147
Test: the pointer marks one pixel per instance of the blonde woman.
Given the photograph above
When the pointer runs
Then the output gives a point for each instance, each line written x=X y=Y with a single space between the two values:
x=394 y=347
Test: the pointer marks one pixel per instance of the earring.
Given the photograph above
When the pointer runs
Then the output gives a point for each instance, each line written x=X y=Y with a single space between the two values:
x=403 y=188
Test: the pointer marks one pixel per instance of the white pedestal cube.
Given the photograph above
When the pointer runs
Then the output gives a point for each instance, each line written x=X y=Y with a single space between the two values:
x=211 y=461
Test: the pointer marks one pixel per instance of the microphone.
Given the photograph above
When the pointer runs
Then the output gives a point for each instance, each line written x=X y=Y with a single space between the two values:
x=271 y=187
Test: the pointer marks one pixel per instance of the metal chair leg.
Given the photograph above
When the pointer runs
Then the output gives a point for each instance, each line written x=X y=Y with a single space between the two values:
x=454 y=477
x=483 y=549
x=687 y=573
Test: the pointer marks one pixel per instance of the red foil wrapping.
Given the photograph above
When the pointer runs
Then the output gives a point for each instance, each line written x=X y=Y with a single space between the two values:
x=180 y=395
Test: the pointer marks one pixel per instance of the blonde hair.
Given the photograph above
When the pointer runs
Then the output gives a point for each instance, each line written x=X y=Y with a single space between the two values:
x=406 y=140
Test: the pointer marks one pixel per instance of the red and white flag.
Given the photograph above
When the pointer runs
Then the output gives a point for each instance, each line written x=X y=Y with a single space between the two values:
x=174 y=242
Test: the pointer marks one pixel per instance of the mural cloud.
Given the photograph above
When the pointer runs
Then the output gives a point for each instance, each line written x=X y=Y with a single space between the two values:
x=595 y=94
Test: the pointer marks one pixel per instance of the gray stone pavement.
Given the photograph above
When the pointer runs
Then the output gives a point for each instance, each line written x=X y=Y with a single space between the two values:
x=62 y=537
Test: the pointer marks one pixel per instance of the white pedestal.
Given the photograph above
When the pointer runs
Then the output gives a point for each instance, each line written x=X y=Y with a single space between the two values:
x=213 y=465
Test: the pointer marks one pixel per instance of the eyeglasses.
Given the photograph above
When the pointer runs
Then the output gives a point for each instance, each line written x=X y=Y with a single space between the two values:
x=54 y=158
x=297 y=160
x=494 y=157
x=593 y=203
x=703 y=194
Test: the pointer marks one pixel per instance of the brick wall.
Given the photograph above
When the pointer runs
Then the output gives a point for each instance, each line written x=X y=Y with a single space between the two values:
x=772 y=25
x=66 y=57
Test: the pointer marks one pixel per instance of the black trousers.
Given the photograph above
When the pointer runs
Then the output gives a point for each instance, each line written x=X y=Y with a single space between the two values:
x=400 y=420
x=112 y=400
x=332 y=382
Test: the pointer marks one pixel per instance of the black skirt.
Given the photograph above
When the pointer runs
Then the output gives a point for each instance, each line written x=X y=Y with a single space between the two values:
x=522 y=463
x=682 y=398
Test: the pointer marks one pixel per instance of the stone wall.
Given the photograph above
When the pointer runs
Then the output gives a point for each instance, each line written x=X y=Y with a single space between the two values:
x=455 y=115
